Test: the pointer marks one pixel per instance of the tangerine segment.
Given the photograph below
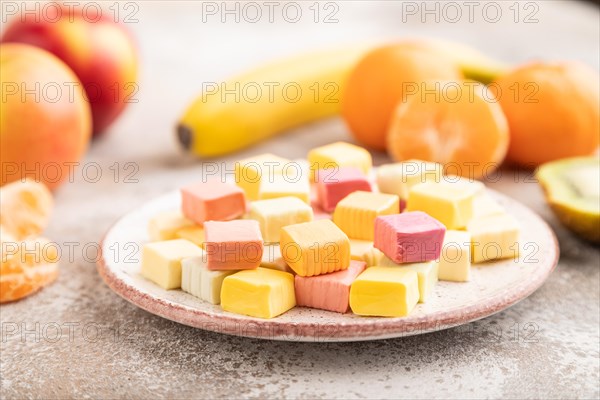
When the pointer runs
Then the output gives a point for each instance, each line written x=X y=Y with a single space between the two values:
x=553 y=111
x=380 y=80
x=453 y=123
x=25 y=208
x=26 y=267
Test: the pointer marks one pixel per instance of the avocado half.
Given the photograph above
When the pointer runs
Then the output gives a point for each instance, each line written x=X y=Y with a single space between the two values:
x=572 y=188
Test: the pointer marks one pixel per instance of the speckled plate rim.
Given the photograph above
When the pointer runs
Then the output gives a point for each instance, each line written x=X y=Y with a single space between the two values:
x=324 y=330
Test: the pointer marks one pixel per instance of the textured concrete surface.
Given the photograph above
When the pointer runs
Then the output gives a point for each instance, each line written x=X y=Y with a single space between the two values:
x=78 y=339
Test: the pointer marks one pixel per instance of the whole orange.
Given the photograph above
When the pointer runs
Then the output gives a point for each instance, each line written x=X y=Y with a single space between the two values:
x=553 y=111
x=45 y=121
x=380 y=81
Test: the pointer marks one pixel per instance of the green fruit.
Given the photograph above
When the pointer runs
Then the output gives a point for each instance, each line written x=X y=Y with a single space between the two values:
x=572 y=188
x=473 y=64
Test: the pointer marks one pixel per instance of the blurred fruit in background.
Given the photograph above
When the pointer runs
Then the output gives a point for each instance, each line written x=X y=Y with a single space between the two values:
x=451 y=123
x=266 y=101
x=380 y=81
x=572 y=188
x=26 y=267
x=25 y=208
x=45 y=121
x=553 y=111
x=100 y=51
x=369 y=82
x=473 y=64
x=29 y=262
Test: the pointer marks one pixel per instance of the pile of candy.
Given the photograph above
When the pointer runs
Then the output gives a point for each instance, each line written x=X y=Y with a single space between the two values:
x=260 y=246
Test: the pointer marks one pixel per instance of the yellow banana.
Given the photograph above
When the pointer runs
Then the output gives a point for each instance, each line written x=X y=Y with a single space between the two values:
x=232 y=115
x=237 y=113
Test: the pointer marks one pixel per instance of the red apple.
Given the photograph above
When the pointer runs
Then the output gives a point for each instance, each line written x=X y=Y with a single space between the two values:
x=97 y=48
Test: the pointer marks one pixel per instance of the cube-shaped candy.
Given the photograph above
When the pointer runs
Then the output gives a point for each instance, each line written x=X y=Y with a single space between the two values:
x=339 y=154
x=261 y=293
x=494 y=237
x=315 y=248
x=190 y=274
x=356 y=213
x=359 y=249
x=454 y=263
x=165 y=224
x=281 y=185
x=330 y=291
x=449 y=204
x=250 y=171
x=199 y=281
x=274 y=214
x=212 y=200
x=161 y=261
x=233 y=244
x=318 y=212
x=484 y=205
x=385 y=292
x=333 y=185
x=427 y=272
x=464 y=184
x=363 y=250
x=398 y=178
x=273 y=259
x=194 y=234
x=373 y=257
x=409 y=237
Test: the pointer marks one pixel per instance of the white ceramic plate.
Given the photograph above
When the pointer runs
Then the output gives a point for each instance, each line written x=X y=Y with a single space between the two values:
x=493 y=287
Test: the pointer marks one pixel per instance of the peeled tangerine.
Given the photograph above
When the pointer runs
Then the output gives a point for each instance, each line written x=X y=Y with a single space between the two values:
x=457 y=124
x=25 y=208
x=28 y=263
x=572 y=188
x=26 y=266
